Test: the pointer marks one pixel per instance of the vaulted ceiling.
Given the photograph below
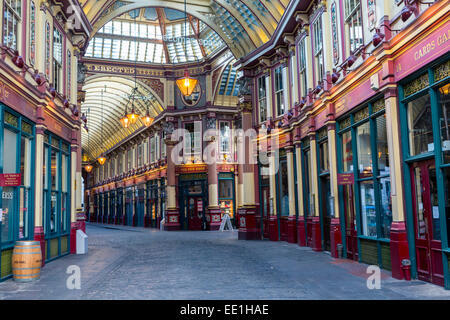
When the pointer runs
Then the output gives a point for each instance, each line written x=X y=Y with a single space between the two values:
x=243 y=25
x=137 y=31
x=105 y=101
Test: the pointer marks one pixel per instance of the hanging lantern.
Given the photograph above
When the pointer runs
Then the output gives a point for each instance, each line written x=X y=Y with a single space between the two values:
x=147 y=120
x=132 y=116
x=124 y=121
x=88 y=168
x=186 y=84
x=101 y=160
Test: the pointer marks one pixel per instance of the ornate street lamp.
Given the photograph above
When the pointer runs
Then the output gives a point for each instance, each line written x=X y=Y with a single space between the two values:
x=87 y=167
x=186 y=84
x=102 y=159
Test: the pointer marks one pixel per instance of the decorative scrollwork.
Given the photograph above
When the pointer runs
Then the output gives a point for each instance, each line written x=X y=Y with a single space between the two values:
x=417 y=84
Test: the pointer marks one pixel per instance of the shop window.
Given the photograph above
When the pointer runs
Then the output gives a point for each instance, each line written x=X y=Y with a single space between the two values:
x=302 y=68
x=129 y=159
x=112 y=167
x=280 y=85
x=318 y=49
x=446 y=176
x=354 y=26
x=11 y=21
x=283 y=188
x=192 y=139
x=226 y=196
x=57 y=59
x=225 y=137
x=324 y=157
x=347 y=153
x=163 y=147
x=420 y=129
x=140 y=155
x=152 y=149
x=368 y=127
x=307 y=180
x=368 y=212
x=364 y=150
x=444 y=100
x=262 y=98
x=382 y=146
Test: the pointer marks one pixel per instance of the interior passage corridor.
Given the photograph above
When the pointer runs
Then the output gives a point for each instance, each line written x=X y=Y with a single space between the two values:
x=138 y=263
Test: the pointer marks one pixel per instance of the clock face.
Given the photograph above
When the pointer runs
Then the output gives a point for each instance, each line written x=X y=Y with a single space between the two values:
x=194 y=98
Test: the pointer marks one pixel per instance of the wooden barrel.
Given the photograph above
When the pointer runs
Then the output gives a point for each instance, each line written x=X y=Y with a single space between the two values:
x=26 y=261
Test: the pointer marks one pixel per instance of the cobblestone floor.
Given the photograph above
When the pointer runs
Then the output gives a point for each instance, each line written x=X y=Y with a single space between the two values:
x=137 y=263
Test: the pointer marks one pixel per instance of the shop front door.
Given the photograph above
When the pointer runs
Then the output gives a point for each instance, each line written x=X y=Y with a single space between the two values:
x=351 y=235
x=265 y=210
x=426 y=222
x=325 y=211
x=195 y=212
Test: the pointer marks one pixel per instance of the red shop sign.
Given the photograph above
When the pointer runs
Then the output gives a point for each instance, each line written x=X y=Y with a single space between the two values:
x=345 y=178
x=10 y=179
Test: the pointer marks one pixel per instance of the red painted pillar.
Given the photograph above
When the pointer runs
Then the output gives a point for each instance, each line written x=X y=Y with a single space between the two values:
x=172 y=215
x=214 y=213
x=335 y=237
x=40 y=236
x=292 y=229
x=248 y=227
x=399 y=248
x=273 y=228
x=301 y=232
x=316 y=239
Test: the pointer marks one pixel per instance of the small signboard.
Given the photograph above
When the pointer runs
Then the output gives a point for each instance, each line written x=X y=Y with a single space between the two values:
x=226 y=221
x=10 y=179
x=345 y=178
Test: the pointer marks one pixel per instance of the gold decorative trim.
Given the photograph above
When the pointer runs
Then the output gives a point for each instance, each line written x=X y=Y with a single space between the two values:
x=27 y=128
x=442 y=71
x=417 y=84
x=344 y=124
x=362 y=114
x=378 y=105
x=323 y=133
x=11 y=119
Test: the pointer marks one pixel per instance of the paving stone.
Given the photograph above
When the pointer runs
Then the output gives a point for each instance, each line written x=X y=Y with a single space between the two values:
x=137 y=263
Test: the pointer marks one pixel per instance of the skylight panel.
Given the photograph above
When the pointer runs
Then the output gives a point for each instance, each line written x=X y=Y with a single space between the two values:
x=151 y=32
x=124 y=49
x=132 y=55
x=106 y=48
x=125 y=29
x=90 y=48
x=108 y=27
x=142 y=51
x=134 y=30
x=150 y=52
x=169 y=32
x=115 y=52
x=158 y=53
x=98 y=47
x=177 y=30
x=158 y=33
x=117 y=28
x=143 y=30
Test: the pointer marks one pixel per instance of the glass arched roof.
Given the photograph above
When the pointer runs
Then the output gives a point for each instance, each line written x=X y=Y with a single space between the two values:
x=157 y=35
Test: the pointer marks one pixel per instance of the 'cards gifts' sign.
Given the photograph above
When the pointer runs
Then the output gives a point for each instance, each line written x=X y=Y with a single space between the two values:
x=10 y=179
